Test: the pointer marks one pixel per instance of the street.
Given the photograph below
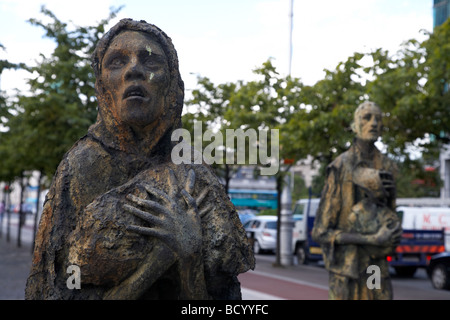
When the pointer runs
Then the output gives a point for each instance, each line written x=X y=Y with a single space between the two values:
x=310 y=282
x=26 y=232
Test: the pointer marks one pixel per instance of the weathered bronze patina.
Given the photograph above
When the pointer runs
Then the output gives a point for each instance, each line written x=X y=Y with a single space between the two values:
x=137 y=225
x=356 y=222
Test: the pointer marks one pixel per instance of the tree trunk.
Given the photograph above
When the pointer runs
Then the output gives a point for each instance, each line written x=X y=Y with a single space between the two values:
x=8 y=213
x=21 y=213
x=3 y=211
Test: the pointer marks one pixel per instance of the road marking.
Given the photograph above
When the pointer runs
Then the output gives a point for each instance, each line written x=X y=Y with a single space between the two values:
x=301 y=282
x=249 y=294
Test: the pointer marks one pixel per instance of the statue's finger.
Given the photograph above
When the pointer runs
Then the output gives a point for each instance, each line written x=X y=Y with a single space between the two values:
x=148 y=217
x=148 y=204
x=173 y=184
x=202 y=196
x=189 y=200
x=157 y=233
x=190 y=182
x=205 y=211
x=157 y=193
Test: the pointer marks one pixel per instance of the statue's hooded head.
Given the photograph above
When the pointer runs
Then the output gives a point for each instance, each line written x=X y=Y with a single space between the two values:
x=139 y=88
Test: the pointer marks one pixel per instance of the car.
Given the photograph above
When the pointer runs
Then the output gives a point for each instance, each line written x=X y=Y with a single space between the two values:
x=439 y=270
x=262 y=233
x=246 y=214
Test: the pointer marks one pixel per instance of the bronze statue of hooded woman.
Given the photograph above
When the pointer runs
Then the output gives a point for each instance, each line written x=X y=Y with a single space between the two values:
x=135 y=224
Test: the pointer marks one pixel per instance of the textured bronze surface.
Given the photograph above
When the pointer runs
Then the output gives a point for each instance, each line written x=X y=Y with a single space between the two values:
x=137 y=225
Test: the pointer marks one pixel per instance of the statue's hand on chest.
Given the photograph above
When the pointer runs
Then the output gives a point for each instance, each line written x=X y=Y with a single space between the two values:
x=152 y=215
x=174 y=217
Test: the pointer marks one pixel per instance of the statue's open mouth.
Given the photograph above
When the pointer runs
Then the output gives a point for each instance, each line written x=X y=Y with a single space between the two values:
x=135 y=92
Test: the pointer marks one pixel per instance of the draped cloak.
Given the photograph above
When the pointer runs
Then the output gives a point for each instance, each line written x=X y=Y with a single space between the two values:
x=83 y=222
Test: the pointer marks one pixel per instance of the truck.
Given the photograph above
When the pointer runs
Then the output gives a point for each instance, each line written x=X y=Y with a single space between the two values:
x=423 y=235
x=305 y=248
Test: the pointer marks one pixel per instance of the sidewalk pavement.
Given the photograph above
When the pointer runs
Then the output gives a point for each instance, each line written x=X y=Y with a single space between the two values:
x=15 y=266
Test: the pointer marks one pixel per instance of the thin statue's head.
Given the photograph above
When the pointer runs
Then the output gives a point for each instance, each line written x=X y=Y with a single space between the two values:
x=138 y=82
x=368 y=121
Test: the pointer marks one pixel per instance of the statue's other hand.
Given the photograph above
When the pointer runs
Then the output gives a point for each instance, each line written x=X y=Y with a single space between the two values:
x=388 y=236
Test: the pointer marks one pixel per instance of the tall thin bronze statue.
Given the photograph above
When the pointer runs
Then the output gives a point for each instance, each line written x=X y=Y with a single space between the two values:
x=356 y=223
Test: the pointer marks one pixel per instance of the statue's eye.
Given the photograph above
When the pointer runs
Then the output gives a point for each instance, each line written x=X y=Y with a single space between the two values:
x=149 y=62
x=116 y=61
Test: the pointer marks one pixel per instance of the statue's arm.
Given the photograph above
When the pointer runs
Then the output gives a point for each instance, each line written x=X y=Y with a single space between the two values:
x=148 y=272
x=385 y=237
x=325 y=231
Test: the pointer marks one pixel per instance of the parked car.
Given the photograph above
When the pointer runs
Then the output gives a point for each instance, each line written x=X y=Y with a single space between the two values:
x=262 y=232
x=439 y=270
x=246 y=214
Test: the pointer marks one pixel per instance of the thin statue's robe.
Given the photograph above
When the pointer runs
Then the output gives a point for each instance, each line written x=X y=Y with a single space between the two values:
x=348 y=263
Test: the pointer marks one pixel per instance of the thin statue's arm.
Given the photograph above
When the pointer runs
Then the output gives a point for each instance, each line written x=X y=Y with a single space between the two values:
x=385 y=237
x=326 y=220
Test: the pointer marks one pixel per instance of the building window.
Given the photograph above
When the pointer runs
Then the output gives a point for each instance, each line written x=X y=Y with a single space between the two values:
x=441 y=11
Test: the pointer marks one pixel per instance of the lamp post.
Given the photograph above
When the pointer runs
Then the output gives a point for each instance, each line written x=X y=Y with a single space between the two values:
x=286 y=223
x=291 y=28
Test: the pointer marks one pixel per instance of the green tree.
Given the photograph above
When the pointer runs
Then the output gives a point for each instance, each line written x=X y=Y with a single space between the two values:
x=416 y=179
x=5 y=64
x=6 y=174
x=61 y=104
x=44 y=123
x=411 y=87
x=300 y=191
x=263 y=104
x=208 y=105
x=321 y=127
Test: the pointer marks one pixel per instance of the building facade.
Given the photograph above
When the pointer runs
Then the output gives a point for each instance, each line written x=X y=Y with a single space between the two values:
x=441 y=11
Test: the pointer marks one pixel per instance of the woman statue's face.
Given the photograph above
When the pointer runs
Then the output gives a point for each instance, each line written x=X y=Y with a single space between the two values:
x=135 y=72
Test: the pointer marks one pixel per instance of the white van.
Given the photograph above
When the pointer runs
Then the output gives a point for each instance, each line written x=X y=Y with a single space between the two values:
x=304 y=214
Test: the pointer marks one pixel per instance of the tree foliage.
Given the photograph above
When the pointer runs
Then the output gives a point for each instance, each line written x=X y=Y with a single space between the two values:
x=411 y=87
x=321 y=127
x=6 y=174
x=60 y=105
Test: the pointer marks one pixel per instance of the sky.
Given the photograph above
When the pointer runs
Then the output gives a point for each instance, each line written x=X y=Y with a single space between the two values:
x=225 y=40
